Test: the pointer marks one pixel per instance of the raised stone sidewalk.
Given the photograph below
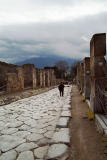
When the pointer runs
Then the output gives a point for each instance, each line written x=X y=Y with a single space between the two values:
x=36 y=127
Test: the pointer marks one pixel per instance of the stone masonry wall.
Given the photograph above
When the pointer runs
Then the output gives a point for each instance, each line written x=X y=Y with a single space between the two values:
x=28 y=75
x=47 y=79
x=34 y=78
x=20 y=77
x=4 y=69
x=97 y=67
x=78 y=76
x=87 y=88
x=43 y=78
x=82 y=76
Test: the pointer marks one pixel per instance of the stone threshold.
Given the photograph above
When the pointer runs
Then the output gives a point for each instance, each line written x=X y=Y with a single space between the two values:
x=101 y=121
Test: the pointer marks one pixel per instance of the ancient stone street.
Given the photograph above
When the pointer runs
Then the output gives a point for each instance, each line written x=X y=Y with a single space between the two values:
x=36 y=127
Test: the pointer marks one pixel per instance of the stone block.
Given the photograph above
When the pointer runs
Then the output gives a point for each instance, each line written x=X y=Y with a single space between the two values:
x=98 y=72
x=87 y=77
x=98 y=45
x=28 y=75
x=57 y=151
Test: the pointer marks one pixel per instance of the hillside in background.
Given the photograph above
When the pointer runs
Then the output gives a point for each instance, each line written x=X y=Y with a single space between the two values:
x=41 y=62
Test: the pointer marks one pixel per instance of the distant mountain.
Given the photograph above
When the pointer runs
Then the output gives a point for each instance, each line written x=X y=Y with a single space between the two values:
x=41 y=62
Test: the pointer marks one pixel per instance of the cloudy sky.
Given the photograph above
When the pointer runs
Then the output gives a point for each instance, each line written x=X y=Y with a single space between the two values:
x=31 y=28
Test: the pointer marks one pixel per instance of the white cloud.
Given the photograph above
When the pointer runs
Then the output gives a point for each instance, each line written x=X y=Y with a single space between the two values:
x=30 y=27
x=31 y=11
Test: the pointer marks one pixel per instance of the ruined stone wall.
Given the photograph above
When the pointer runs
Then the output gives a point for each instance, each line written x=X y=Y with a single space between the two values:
x=15 y=81
x=19 y=78
x=97 y=67
x=87 y=87
x=4 y=69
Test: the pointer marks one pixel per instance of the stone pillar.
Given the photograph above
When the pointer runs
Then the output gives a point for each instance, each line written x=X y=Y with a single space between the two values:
x=43 y=78
x=37 y=78
x=87 y=77
x=78 y=77
x=47 y=78
x=82 y=76
x=52 y=78
x=97 y=67
x=34 y=79
x=20 y=77
x=28 y=70
x=40 y=75
x=15 y=81
x=13 y=85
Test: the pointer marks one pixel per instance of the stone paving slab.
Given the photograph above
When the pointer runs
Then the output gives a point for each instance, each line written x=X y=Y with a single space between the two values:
x=26 y=147
x=8 y=142
x=41 y=152
x=66 y=114
x=61 y=136
x=29 y=125
x=63 y=122
x=57 y=150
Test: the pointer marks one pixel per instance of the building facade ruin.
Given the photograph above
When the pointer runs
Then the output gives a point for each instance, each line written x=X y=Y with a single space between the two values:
x=15 y=78
x=91 y=74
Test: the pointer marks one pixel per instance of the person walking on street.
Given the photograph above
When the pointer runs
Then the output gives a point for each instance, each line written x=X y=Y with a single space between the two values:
x=61 y=89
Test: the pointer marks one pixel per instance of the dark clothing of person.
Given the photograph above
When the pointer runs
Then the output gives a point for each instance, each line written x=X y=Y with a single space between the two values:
x=61 y=89
x=61 y=93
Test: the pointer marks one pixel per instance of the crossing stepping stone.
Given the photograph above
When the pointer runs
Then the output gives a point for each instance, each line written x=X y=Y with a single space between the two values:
x=41 y=152
x=63 y=121
x=62 y=136
x=57 y=151
x=66 y=114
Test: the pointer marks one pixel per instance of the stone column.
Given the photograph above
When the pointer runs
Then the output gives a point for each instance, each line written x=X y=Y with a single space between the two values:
x=40 y=75
x=97 y=67
x=20 y=77
x=13 y=84
x=28 y=75
x=78 y=76
x=82 y=76
x=43 y=78
x=87 y=77
x=34 y=79
x=37 y=78
x=52 y=77
x=47 y=78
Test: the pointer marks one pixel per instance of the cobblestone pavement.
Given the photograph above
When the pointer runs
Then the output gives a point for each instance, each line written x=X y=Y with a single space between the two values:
x=36 y=127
